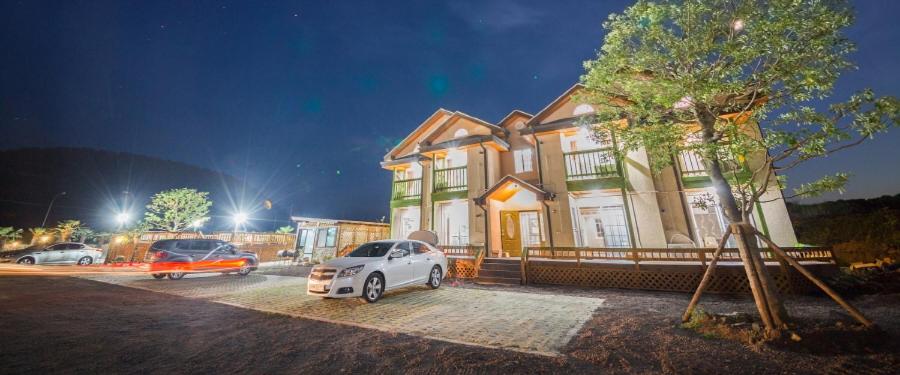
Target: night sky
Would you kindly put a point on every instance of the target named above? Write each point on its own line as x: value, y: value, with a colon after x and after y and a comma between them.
x: 304, y: 98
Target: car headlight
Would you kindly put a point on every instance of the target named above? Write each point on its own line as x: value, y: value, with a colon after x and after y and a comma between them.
x: 350, y: 271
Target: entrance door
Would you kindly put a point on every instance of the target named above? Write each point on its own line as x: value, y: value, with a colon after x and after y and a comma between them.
x: 510, y: 237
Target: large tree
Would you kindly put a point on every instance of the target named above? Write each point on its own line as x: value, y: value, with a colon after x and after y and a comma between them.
x: 741, y: 84
x: 176, y: 209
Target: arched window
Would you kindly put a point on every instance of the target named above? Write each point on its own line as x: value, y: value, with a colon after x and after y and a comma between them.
x: 460, y: 133
x: 582, y: 109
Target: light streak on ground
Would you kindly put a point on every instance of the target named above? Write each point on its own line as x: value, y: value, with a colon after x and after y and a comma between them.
x: 11, y: 269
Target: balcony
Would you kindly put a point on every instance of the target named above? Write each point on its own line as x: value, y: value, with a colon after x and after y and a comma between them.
x: 407, y: 189
x: 450, y: 179
x: 450, y: 183
x: 693, y: 169
x: 592, y: 169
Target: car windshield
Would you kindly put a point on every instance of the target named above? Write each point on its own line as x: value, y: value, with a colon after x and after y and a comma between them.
x: 371, y: 250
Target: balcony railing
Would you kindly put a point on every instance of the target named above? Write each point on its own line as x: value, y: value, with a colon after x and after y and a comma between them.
x: 590, y: 164
x: 692, y: 164
x: 450, y: 179
x: 407, y: 189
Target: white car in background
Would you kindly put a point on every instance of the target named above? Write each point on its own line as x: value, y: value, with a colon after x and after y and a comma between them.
x: 376, y: 267
x: 62, y: 253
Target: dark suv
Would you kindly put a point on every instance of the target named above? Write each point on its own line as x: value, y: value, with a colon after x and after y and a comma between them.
x: 175, y: 258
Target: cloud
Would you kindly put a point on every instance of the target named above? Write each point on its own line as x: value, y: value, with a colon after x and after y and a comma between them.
x: 496, y: 16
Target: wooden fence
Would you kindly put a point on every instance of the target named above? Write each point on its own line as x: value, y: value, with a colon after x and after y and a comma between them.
x: 463, y: 261
x: 677, y: 270
x: 668, y: 255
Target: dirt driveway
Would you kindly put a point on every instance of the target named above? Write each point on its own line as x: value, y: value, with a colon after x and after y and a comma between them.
x: 69, y: 325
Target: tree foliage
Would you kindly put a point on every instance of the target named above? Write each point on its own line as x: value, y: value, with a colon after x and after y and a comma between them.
x: 38, y: 234
x: 700, y: 75
x: 176, y: 209
x: 66, y: 228
x: 8, y: 234
x: 287, y: 229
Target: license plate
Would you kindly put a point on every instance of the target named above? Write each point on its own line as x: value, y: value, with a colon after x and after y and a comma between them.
x: 317, y: 287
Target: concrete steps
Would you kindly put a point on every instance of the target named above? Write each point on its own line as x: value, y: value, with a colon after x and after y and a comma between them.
x: 499, y: 271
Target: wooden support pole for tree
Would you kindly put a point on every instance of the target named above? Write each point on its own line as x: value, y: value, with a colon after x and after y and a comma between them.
x: 707, y: 276
x: 776, y: 308
x: 756, y: 288
x: 831, y: 293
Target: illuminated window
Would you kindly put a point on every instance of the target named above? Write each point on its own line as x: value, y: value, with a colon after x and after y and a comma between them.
x: 460, y: 133
x: 523, y: 159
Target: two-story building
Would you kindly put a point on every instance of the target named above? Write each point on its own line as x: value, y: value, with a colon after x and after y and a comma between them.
x: 541, y: 180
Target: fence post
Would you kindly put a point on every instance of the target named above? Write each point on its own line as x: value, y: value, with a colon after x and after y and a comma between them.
x: 578, y: 257
x: 636, y: 256
x: 702, y: 254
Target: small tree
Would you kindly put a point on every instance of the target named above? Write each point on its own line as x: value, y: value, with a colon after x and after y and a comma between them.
x: 40, y: 235
x: 66, y: 228
x: 84, y: 234
x: 8, y: 234
x: 287, y: 229
x: 703, y: 76
x: 176, y: 209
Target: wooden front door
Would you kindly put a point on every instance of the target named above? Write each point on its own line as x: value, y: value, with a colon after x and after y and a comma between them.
x: 510, y: 238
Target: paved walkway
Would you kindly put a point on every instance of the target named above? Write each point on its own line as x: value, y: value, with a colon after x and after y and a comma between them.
x: 494, y: 318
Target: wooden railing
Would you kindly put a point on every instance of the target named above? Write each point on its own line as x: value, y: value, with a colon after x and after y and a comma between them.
x: 691, y: 164
x: 462, y: 250
x: 674, y: 255
x: 407, y: 189
x: 590, y: 164
x: 450, y: 179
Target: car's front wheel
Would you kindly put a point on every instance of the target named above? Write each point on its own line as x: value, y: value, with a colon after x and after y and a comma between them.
x: 85, y: 261
x: 176, y: 275
x: 373, y: 288
x: 26, y: 260
x: 434, y: 279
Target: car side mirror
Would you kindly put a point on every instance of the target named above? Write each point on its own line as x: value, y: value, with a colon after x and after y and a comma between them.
x: 395, y: 254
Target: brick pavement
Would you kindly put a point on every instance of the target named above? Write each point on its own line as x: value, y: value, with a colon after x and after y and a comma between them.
x: 489, y: 317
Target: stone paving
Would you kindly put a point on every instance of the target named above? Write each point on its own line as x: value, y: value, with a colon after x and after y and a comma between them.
x: 495, y: 318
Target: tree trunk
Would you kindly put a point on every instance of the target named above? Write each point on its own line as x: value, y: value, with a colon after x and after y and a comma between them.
x: 771, y: 309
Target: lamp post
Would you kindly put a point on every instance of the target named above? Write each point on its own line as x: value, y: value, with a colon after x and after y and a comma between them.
x: 122, y: 219
x: 51, y: 206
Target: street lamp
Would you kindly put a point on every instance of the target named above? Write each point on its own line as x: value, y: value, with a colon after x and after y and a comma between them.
x: 239, y: 219
x: 122, y: 218
x: 43, y: 223
x: 196, y: 224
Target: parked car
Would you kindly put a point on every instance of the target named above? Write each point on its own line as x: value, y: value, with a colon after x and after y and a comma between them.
x: 375, y: 267
x: 175, y: 258
x: 61, y: 253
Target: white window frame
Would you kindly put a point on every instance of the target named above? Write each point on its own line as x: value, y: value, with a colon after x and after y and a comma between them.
x: 524, y: 160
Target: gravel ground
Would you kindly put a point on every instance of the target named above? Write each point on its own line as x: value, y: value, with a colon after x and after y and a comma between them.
x: 67, y: 325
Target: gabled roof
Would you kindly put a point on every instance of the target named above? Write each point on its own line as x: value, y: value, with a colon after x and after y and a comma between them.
x: 550, y: 107
x: 510, y: 179
x: 459, y: 116
x: 511, y: 115
x: 418, y: 131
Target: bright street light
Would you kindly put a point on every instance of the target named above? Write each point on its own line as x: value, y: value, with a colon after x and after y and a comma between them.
x: 240, y: 218
x: 122, y: 218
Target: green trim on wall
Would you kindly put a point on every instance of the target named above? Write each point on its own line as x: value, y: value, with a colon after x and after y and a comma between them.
x: 405, y: 202
x: 597, y: 184
x: 694, y: 182
x: 449, y: 195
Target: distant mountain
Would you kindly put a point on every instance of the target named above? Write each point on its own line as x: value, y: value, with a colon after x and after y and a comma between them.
x: 96, y: 183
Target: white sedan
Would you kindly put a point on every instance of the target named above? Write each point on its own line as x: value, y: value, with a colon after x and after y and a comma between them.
x: 376, y: 267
